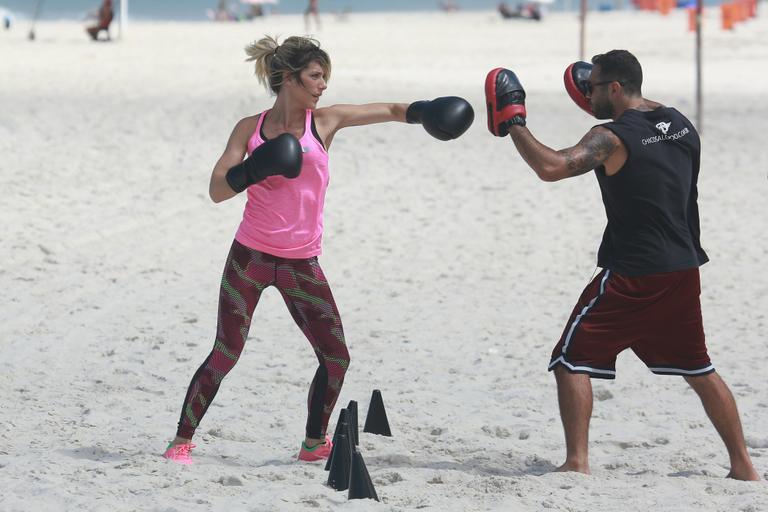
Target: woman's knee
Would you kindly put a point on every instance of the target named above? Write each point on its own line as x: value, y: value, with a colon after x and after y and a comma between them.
x: 340, y: 360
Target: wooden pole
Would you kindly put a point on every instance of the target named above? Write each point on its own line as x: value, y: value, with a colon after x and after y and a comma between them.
x: 123, y: 17
x: 699, y: 120
x: 582, y: 30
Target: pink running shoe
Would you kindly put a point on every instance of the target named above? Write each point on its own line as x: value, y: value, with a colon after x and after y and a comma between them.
x: 317, y: 452
x: 179, y: 453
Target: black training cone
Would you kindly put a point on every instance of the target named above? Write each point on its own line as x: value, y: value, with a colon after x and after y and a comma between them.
x: 338, y: 476
x: 360, y: 484
x: 341, y: 425
x: 376, y: 421
x: 352, y: 420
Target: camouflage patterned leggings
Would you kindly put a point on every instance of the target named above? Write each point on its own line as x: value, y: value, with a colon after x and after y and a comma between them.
x: 308, y: 297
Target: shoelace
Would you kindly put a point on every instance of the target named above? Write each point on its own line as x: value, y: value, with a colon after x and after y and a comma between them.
x: 183, y: 449
x: 307, y: 448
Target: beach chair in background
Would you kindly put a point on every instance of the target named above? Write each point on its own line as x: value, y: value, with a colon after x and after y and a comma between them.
x: 103, y: 20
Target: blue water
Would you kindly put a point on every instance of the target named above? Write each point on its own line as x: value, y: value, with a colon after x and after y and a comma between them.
x: 195, y: 9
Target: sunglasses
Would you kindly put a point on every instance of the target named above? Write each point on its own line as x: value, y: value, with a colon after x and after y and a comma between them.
x: 591, y: 86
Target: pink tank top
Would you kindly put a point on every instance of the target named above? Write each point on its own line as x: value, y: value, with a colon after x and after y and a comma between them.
x: 284, y: 217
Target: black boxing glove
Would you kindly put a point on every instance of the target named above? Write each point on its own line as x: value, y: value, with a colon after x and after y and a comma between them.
x: 505, y: 99
x: 278, y: 156
x: 576, y: 78
x: 443, y: 118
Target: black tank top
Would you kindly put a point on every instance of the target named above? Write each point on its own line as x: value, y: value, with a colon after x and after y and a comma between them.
x: 653, y: 216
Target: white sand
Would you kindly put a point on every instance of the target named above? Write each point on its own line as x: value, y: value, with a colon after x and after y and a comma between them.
x: 454, y: 268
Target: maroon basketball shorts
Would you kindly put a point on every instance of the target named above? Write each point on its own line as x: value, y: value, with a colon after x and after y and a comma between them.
x: 658, y: 316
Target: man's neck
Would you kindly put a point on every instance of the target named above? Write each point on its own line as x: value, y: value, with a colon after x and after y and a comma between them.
x: 636, y: 103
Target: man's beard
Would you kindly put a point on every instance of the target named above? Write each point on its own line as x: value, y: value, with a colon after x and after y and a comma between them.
x: 603, y: 110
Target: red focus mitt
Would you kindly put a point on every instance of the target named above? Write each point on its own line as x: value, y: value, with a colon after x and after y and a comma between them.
x: 576, y: 80
x: 505, y: 100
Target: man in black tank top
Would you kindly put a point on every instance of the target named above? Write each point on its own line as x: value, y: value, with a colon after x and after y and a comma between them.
x: 646, y: 298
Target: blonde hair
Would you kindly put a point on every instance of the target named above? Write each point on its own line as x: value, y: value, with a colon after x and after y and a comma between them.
x: 273, y: 60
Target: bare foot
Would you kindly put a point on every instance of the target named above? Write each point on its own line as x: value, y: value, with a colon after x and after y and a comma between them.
x: 575, y: 467
x: 747, y: 474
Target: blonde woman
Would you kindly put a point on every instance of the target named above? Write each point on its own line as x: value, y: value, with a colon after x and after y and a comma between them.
x: 285, y: 176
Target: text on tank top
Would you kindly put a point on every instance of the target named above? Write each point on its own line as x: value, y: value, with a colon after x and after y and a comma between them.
x: 651, y: 202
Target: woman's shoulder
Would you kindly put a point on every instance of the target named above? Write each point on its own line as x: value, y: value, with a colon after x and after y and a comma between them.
x: 243, y: 130
x: 246, y: 126
x: 329, y: 111
x: 323, y: 112
x: 248, y: 122
x: 325, y: 117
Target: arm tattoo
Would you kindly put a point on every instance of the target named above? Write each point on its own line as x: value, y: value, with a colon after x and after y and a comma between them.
x: 592, y: 151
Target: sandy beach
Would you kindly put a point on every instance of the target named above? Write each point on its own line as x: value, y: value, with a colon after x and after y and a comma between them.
x: 454, y: 268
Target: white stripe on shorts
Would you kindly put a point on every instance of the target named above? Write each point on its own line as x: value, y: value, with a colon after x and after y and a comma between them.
x: 680, y: 371
x: 584, y: 312
x: 581, y: 368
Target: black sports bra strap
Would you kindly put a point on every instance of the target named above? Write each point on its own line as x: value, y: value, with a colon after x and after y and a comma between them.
x: 314, y: 130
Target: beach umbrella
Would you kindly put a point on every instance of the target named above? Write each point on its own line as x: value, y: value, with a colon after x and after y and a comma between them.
x: 38, y: 9
x: 258, y: 5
